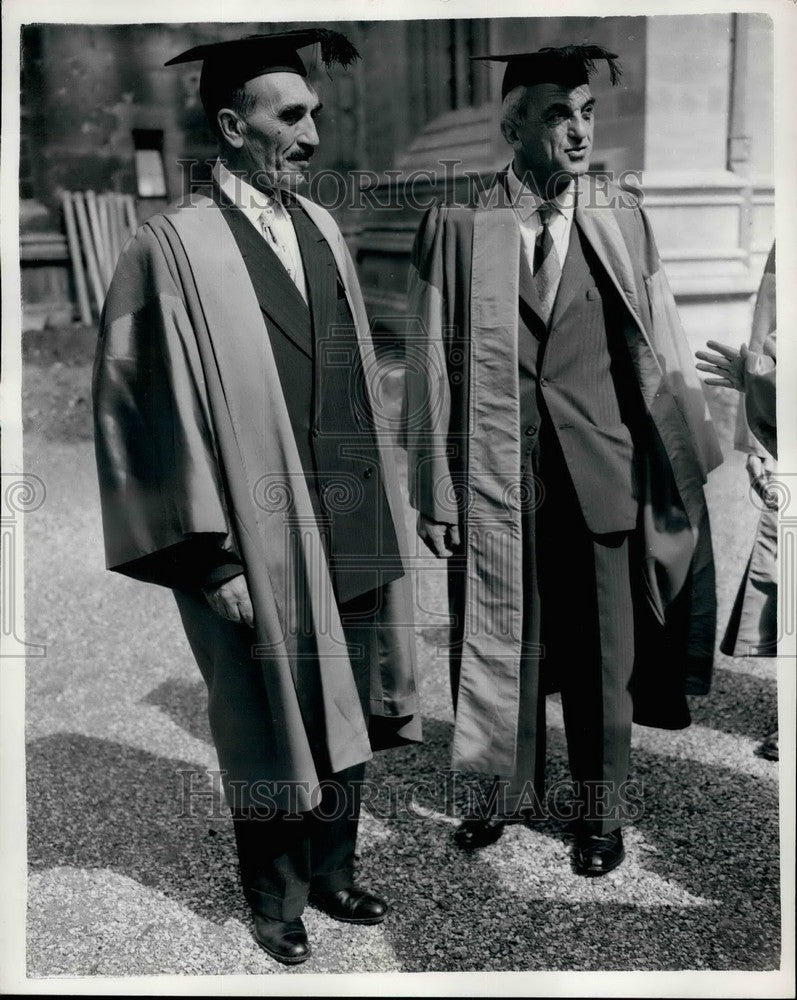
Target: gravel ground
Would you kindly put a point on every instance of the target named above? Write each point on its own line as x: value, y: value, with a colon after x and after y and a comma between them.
x: 121, y: 884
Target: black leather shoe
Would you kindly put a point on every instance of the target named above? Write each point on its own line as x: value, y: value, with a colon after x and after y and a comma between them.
x: 285, y: 940
x: 474, y: 833
x: 598, y: 854
x: 352, y: 905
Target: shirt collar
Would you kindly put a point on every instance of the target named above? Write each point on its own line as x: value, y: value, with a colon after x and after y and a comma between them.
x: 250, y: 201
x: 526, y: 202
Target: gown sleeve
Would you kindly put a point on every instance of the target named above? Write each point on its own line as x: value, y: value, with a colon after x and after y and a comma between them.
x: 760, y: 394
x: 164, y: 511
x: 426, y: 410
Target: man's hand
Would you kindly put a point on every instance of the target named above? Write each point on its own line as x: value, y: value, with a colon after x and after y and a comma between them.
x: 438, y: 536
x: 231, y: 600
x: 727, y: 365
x: 759, y: 471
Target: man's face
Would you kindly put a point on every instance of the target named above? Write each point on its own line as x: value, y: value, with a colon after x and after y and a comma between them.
x: 278, y: 134
x: 555, y: 135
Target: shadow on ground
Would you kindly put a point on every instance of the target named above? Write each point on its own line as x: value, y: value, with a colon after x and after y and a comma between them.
x: 185, y: 703
x: 698, y: 836
x: 93, y: 803
x: 735, y: 700
x: 98, y: 804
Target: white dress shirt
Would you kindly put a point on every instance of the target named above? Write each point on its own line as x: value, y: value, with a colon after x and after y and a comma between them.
x: 252, y: 203
x: 526, y: 204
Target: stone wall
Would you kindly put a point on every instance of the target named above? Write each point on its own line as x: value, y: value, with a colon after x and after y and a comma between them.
x: 85, y: 89
x: 693, y: 112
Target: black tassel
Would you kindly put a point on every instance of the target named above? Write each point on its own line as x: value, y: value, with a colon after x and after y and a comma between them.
x: 587, y: 54
x: 336, y: 49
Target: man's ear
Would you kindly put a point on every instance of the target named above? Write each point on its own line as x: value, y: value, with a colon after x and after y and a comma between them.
x: 231, y: 127
x: 509, y: 132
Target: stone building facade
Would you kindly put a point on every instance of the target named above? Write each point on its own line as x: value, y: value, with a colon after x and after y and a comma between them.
x: 691, y: 124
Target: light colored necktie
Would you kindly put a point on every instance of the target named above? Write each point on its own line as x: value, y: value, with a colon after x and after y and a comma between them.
x: 267, y: 217
x: 547, y: 269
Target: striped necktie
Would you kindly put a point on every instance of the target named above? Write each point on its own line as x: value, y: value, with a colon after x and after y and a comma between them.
x: 547, y: 269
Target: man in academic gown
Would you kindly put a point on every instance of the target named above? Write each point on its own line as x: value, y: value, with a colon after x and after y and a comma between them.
x: 752, y: 628
x: 242, y: 465
x: 558, y: 444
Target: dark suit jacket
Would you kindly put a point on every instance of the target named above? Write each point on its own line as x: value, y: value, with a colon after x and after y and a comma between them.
x: 576, y: 383
x: 320, y: 370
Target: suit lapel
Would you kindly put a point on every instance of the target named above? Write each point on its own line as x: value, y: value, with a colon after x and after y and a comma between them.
x: 497, y: 196
x: 527, y: 288
x: 277, y: 295
x: 601, y: 230
x: 319, y: 269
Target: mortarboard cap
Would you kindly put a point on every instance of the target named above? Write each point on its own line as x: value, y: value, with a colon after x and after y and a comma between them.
x: 569, y: 65
x: 229, y: 65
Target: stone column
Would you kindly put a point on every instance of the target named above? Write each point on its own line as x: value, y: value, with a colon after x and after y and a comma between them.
x: 696, y: 93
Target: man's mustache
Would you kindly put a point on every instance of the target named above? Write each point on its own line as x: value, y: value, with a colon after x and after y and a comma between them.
x: 303, y: 154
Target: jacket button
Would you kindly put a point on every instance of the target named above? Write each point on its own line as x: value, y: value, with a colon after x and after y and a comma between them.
x: 531, y: 430
x: 368, y: 472
x: 543, y: 381
x: 315, y: 432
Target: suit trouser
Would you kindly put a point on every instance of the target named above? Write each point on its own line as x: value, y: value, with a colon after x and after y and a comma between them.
x: 283, y: 855
x: 578, y: 634
x: 587, y: 636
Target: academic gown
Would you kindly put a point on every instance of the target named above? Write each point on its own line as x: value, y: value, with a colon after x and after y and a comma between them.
x: 463, y: 435
x: 753, y: 627
x: 194, y: 445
